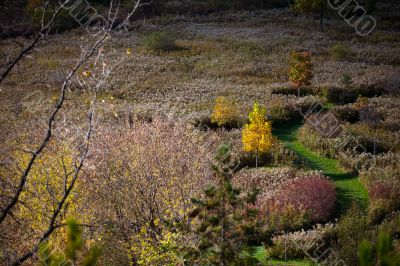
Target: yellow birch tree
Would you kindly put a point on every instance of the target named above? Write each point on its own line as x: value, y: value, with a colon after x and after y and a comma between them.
x: 257, y: 135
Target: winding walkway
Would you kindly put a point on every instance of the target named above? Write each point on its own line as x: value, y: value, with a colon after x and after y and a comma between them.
x: 348, y: 186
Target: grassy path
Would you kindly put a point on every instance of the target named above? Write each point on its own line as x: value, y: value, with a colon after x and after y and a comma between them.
x: 348, y: 186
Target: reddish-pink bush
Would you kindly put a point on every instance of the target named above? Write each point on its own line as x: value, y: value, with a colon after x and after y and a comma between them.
x: 313, y: 195
x: 383, y: 191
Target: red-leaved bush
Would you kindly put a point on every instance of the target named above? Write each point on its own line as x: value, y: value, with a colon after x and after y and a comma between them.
x: 312, y: 197
x: 381, y: 191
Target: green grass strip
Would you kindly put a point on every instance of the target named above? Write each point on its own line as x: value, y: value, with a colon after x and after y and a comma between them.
x: 290, y: 263
x: 348, y: 186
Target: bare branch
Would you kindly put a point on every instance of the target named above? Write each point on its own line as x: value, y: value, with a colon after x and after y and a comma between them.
x: 45, y: 29
x: 61, y: 204
x: 50, y: 123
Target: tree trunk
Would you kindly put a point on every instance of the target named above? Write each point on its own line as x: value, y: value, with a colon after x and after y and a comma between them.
x: 257, y: 159
x: 322, y: 16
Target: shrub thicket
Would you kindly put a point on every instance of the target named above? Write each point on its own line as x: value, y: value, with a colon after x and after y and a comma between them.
x: 352, y: 229
x: 63, y: 22
x: 159, y: 42
x: 343, y: 95
x: 225, y: 113
x: 300, y: 202
x: 340, y: 52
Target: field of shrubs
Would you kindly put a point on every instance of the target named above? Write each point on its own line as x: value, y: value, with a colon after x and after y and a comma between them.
x: 220, y: 136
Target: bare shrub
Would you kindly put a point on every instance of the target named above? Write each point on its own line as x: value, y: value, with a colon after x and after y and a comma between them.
x: 144, y: 176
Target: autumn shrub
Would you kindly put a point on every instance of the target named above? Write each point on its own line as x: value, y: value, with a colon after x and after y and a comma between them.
x: 41, y: 195
x: 386, y: 107
x: 313, y: 140
x: 374, y: 140
x: 383, y: 186
x: 385, y: 168
x: 159, y: 42
x: 352, y: 229
x: 267, y: 180
x: 282, y: 109
x: 304, y: 91
x: 306, y: 200
x: 295, y: 245
x: 144, y: 175
x: 314, y: 193
x: 346, y: 113
x: 277, y: 111
x: 202, y: 121
x: 225, y: 113
x: 285, y: 217
x: 344, y: 95
x: 341, y: 95
x: 340, y: 52
x: 279, y: 155
x: 384, y: 197
x: 392, y: 84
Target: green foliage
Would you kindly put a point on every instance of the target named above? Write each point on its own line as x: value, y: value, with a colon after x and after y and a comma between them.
x: 350, y: 94
x: 64, y: 21
x: 260, y: 254
x: 365, y: 254
x: 346, y: 80
x: 383, y: 254
x: 72, y: 252
x: 340, y: 52
x: 225, y: 221
x: 289, y: 91
x: 352, y: 229
x: 160, y: 42
x: 160, y: 7
x: 307, y: 5
x: 75, y: 241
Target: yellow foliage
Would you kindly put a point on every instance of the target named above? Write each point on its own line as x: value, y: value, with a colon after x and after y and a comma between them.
x: 300, y: 68
x: 257, y: 136
x: 87, y: 74
x: 149, y: 252
x: 225, y: 111
x: 361, y: 102
x: 45, y: 187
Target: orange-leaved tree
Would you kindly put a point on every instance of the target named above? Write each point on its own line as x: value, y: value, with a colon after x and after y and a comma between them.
x: 257, y: 135
x: 225, y: 112
x: 300, y: 69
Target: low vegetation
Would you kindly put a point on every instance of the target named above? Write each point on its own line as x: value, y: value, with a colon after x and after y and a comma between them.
x: 200, y: 133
